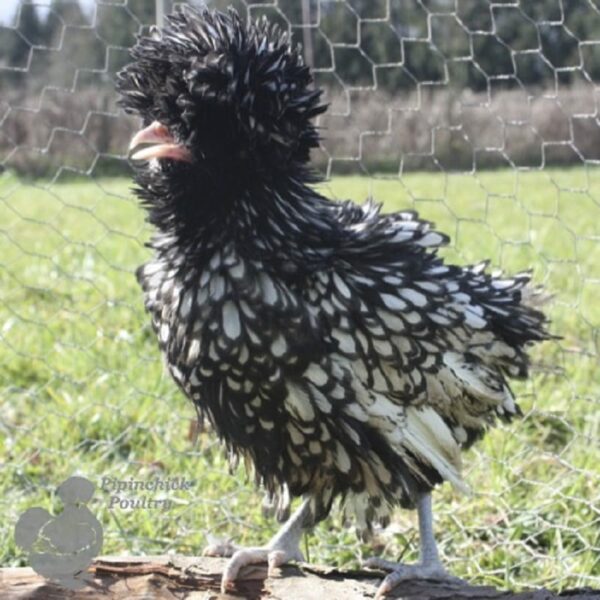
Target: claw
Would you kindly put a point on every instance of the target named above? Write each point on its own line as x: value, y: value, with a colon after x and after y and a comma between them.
x: 282, y: 548
x: 242, y: 558
x: 273, y: 557
x: 399, y: 572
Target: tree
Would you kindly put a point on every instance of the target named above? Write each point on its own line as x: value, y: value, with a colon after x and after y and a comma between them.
x: 73, y: 43
x: 28, y: 32
x: 19, y: 51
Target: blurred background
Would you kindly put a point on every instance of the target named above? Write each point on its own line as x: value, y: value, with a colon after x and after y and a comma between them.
x: 481, y: 115
x: 432, y: 62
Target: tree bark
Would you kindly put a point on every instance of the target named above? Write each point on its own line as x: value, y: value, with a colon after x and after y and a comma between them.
x: 182, y: 578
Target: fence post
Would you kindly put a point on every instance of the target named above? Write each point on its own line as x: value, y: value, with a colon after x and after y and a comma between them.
x: 160, y: 12
x: 306, y: 33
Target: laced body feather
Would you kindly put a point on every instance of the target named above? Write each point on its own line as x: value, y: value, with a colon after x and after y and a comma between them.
x: 334, y: 350
x: 329, y: 344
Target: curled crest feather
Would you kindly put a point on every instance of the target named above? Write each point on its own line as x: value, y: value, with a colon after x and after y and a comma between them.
x: 245, y: 86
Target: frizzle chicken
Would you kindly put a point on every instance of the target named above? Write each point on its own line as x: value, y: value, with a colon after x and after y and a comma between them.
x: 327, y: 343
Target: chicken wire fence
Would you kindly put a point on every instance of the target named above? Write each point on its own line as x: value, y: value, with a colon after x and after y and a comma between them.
x: 483, y: 116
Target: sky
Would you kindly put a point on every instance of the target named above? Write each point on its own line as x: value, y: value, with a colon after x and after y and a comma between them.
x: 8, y: 7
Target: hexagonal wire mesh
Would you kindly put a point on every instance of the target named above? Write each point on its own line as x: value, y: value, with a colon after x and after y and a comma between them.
x: 483, y: 116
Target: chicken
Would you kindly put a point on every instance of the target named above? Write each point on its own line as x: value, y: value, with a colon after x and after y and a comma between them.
x: 328, y: 344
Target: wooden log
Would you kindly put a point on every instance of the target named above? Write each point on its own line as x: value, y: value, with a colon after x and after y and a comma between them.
x: 177, y: 577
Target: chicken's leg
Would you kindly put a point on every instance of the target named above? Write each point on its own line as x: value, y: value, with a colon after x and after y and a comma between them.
x: 283, y: 547
x: 429, y: 567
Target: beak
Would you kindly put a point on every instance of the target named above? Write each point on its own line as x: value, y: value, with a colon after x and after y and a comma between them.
x: 159, y: 144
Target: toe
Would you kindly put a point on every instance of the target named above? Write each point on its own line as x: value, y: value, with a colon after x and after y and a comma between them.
x: 399, y: 573
x: 279, y: 557
x: 276, y: 559
x: 382, y: 591
x: 380, y: 563
x: 242, y: 558
x: 389, y: 583
x: 220, y: 549
x: 272, y: 556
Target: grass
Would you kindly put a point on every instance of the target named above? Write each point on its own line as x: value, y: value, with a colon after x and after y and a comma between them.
x: 82, y: 386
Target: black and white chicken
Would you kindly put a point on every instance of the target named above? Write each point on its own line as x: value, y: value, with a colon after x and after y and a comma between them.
x: 328, y: 344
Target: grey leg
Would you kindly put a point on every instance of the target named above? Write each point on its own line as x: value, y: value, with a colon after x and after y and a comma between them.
x: 429, y: 567
x: 428, y: 546
x: 283, y: 547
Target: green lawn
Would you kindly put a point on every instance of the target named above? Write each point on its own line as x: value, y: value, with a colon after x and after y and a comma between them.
x: 82, y: 386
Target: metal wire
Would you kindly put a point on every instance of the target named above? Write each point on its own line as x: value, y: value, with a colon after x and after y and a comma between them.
x: 502, y: 159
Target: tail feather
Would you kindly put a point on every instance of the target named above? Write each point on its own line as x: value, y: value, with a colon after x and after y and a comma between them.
x: 429, y: 437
